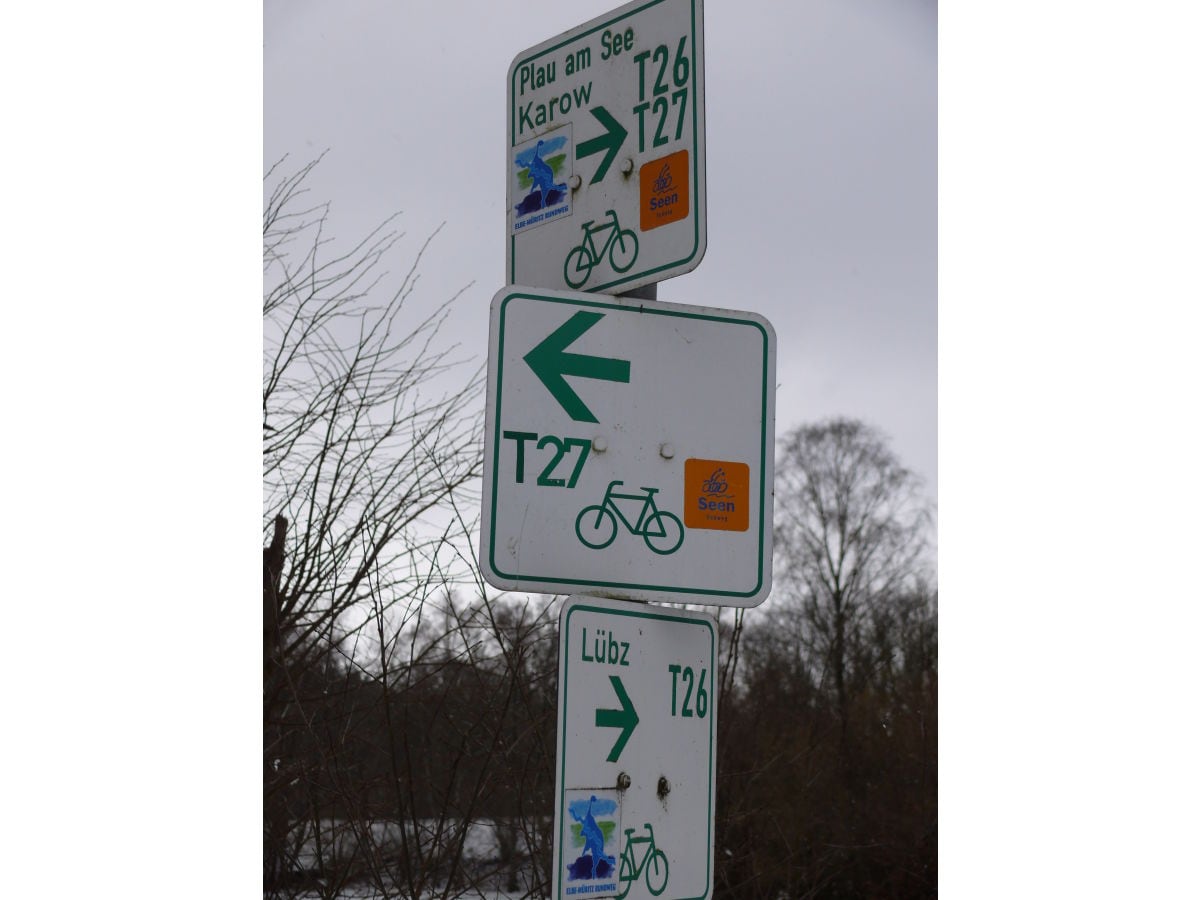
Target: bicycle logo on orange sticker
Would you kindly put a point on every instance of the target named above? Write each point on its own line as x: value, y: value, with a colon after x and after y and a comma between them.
x: 664, y: 189
x: 716, y: 494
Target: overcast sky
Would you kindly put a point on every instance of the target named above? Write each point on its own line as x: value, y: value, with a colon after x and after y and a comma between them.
x: 821, y: 172
x: 1068, y: 319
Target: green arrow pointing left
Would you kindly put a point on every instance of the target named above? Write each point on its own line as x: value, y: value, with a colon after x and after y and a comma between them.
x: 550, y: 363
x: 608, y: 143
x: 625, y: 718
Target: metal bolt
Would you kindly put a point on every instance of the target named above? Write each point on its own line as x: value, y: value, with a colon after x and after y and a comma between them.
x: 664, y: 787
x: 623, y: 782
x: 574, y: 181
x: 599, y: 444
x: 626, y: 166
x: 667, y: 451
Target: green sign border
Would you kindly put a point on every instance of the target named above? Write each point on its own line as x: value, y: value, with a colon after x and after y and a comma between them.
x: 651, y: 309
x: 696, y: 139
x: 564, y: 632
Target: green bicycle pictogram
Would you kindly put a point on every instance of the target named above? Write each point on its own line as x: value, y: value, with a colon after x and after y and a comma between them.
x: 596, y: 525
x: 630, y: 871
x: 621, y: 247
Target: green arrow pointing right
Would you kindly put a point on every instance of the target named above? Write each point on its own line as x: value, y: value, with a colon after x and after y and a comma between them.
x: 608, y: 143
x: 625, y: 718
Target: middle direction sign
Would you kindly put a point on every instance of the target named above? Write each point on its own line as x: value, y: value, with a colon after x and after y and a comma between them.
x: 629, y: 449
x: 605, y: 151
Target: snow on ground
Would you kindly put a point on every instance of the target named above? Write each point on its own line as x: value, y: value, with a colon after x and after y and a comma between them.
x: 341, y: 839
x: 483, y: 867
x: 366, y: 892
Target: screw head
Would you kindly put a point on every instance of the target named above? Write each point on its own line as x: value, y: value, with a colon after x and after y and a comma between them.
x: 623, y: 782
x: 599, y: 444
x: 667, y: 451
x: 626, y: 166
x: 664, y: 787
x: 574, y: 181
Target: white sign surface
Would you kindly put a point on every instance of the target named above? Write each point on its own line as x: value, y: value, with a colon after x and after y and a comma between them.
x: 629, y: 449
x: 605, y: 151
x: 635, y: 792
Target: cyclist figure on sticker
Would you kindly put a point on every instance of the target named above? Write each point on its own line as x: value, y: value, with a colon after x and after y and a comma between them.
x: 716, y: 483
x: 593, y: 838
x: 544, y: 191
x: 542, y: 175
x: 663, y: 182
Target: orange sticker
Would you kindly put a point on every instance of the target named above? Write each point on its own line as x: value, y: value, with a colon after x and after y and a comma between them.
x: 716, y: 494
x: 664, y: 185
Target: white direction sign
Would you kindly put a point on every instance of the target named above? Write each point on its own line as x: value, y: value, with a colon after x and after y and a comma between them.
x: 605, y: 151
x: 629, y: 449
x: 635, y: 787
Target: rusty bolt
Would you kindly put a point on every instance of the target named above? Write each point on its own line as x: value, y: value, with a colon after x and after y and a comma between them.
x: 664, y: 787
x: 623, y: 782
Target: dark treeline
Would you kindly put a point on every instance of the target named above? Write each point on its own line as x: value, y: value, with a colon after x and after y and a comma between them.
x: 814, y: 800
x: 409, y: 711
x: 378, y: 774
x: 809, y: 804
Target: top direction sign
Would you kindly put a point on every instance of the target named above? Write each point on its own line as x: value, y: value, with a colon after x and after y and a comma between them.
x: 605, y: 151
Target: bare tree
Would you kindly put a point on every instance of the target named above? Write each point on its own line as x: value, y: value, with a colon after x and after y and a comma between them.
x: 365, y: 426
x: 371, y: 428
x: 407, y: 711
x: 851, y: 531
x: 827, y: 780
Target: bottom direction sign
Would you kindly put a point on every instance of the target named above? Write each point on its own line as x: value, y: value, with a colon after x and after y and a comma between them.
x: 635, y: 789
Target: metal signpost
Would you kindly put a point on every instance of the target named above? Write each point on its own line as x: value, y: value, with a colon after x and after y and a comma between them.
x: 636, y: 764
x: 629, y: 449
x: 629, y: 443
x: 605, y: 151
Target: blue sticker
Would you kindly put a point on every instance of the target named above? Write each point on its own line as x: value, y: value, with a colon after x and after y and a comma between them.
x: 593, y: 830
x: 541, y: 171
